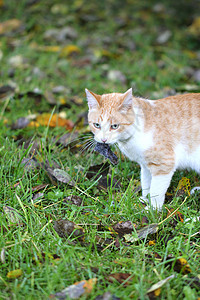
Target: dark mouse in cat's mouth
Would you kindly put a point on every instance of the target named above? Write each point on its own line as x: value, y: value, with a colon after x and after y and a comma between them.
x: 104, y: 149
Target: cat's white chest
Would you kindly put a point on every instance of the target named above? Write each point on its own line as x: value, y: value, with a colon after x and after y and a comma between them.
x: 136, y: 145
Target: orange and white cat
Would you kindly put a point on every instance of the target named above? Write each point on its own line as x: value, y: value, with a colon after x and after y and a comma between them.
x: 160, y: 135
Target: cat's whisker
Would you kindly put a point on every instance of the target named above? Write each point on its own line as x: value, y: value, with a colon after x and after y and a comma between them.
x: 86, y: 146
x: 89, y: 136
x: 91, y: 148
x: 83, y: 142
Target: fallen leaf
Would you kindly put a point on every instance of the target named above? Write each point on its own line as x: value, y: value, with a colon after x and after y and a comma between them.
x: 60, y: 176
x: 182, y: 266
x: 20, y: 123
x: 142, y: 233
x: 122, y: 278
x: 107, y: 296
x: 73, y: 199
x: 155, y: 290
x: 9, y: 25
x: 123, y: 227
x: 66, y: 228
x: 6, y: 91
x: 29, y: 163
x: 76, y: 290
x: 183, y: 187
x: 47, y: 119
x: 13, y: 217
x: 14, y: 274
x: 69, y: 50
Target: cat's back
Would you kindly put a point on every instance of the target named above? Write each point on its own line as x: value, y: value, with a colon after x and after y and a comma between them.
x: 175, y: 109
x: 181, y: 102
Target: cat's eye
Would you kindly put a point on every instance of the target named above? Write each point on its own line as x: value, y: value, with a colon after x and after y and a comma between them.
x: 114, y: 126
x: 97, y: 125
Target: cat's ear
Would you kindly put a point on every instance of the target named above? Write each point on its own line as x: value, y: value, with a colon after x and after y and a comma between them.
x: 127, y: 101
x: 93, y: 99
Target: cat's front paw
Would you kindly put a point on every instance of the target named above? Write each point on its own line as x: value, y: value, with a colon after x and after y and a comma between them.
x: 149, y: 205
x: 152, y: 207
x: 144, y: 201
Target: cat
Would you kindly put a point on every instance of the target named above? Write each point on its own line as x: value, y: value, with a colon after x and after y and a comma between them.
x: 160, y: 135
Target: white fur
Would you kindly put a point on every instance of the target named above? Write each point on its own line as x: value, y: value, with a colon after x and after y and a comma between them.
x: 186, y: 160
x: 92, y: 102
x: 135, y: 141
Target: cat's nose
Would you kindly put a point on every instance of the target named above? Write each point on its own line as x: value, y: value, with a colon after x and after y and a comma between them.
x: 104, y: 140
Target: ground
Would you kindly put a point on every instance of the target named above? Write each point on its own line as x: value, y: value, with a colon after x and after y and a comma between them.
x: 67, y: 214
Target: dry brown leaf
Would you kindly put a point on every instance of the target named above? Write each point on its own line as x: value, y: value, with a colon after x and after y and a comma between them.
x: 123, y: 227
x: 66, y: 228
x: 9, y: 25
x: 54, y: 120
x: 123, y: 278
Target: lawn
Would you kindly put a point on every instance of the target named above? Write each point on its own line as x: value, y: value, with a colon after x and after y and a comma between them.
x: 69, y: 218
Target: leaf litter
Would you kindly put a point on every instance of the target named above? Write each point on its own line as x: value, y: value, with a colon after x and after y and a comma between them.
x: 98, y: 55
x: 76, y: 290
x: 66, y: 228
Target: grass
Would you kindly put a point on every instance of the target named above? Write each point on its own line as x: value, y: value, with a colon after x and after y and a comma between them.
x: 105, y: 35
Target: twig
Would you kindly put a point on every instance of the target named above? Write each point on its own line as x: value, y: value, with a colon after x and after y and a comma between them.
x: 108, y: 246
x: 173, y: 212
x: 88, y: 195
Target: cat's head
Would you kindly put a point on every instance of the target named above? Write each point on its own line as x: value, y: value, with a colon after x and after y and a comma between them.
x: 110, y: 116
